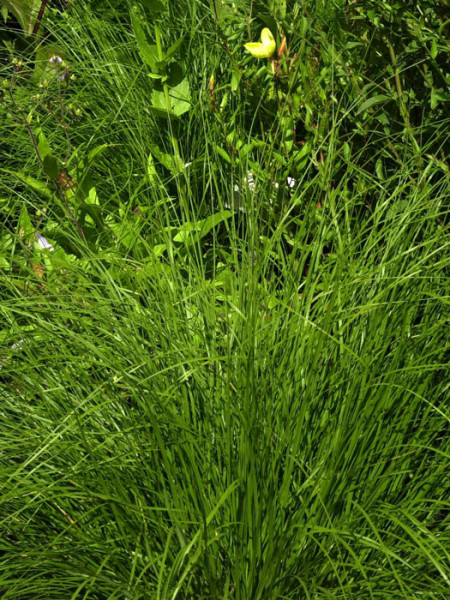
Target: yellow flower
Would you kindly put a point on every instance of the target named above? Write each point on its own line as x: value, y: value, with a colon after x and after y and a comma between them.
x: 263, y: 49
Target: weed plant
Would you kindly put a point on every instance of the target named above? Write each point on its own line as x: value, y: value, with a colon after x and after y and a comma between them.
x: 224, y: 355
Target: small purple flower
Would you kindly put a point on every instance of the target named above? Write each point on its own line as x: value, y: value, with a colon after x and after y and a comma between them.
x: 43, y: 243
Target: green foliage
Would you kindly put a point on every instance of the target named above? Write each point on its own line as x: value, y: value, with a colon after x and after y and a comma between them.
x: 173, y: 98
x: 223, y: 354
x: 25, y: 11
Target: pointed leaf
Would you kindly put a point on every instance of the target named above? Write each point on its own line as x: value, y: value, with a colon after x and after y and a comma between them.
x: 155, y: 7
x: 50, y: 166
x: 25, y: 12
x: 192, y: 232
x: 148, y: 52
x: 371, y: 102
x: 170, y: 53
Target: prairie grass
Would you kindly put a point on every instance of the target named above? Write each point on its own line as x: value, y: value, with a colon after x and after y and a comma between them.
x: 259, y: 411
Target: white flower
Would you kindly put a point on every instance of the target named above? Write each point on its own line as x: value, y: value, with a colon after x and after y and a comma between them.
x: 17, y: 345
x: 291, y: 182
x: 250, y: 181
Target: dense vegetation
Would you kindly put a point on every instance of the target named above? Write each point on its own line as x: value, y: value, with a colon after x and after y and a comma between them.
x: 224, y: 356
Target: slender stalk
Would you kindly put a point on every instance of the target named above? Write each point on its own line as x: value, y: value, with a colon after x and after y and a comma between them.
x: 166, y: 93
x: 39, y: 17
x: 403, y: 107
x: 21, y: 118
x: 172, y: 135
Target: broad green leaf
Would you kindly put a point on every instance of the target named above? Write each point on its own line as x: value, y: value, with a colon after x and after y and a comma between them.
x: 155, y: 7
x: 50, y: 166
x: 438, y: 95
x: 371, y: 102
x: 39, y: 187
x: 92, y: 197
x: 172, y: 163
x: 235, y: 79
x: 42, y: 143
x: 159, y: 249
x: 159, y: 100
x: 301, y: 156
x: 221, y: 152
x: 194, y: 231
x: 151, y: 169
x: 162, y: 113
x: 25, y: 227
x: 90, y: 210
x: 25, y: 12
x: 97, y: 150
x: 180, y: 97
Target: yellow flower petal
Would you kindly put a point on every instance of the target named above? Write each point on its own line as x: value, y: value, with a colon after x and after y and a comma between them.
x: 256, y: 49
x: 263, y: 49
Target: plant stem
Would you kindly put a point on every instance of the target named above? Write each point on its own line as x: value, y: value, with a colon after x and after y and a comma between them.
x: 166, y: 93
x: 172, y: 135
x: 39, y: 17
x: 403, y: 107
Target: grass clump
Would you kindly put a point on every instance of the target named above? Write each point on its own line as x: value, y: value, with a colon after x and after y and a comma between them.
x: 224, y: 357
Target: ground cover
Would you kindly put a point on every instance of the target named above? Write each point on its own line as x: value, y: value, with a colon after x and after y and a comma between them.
x: 224, y: 264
